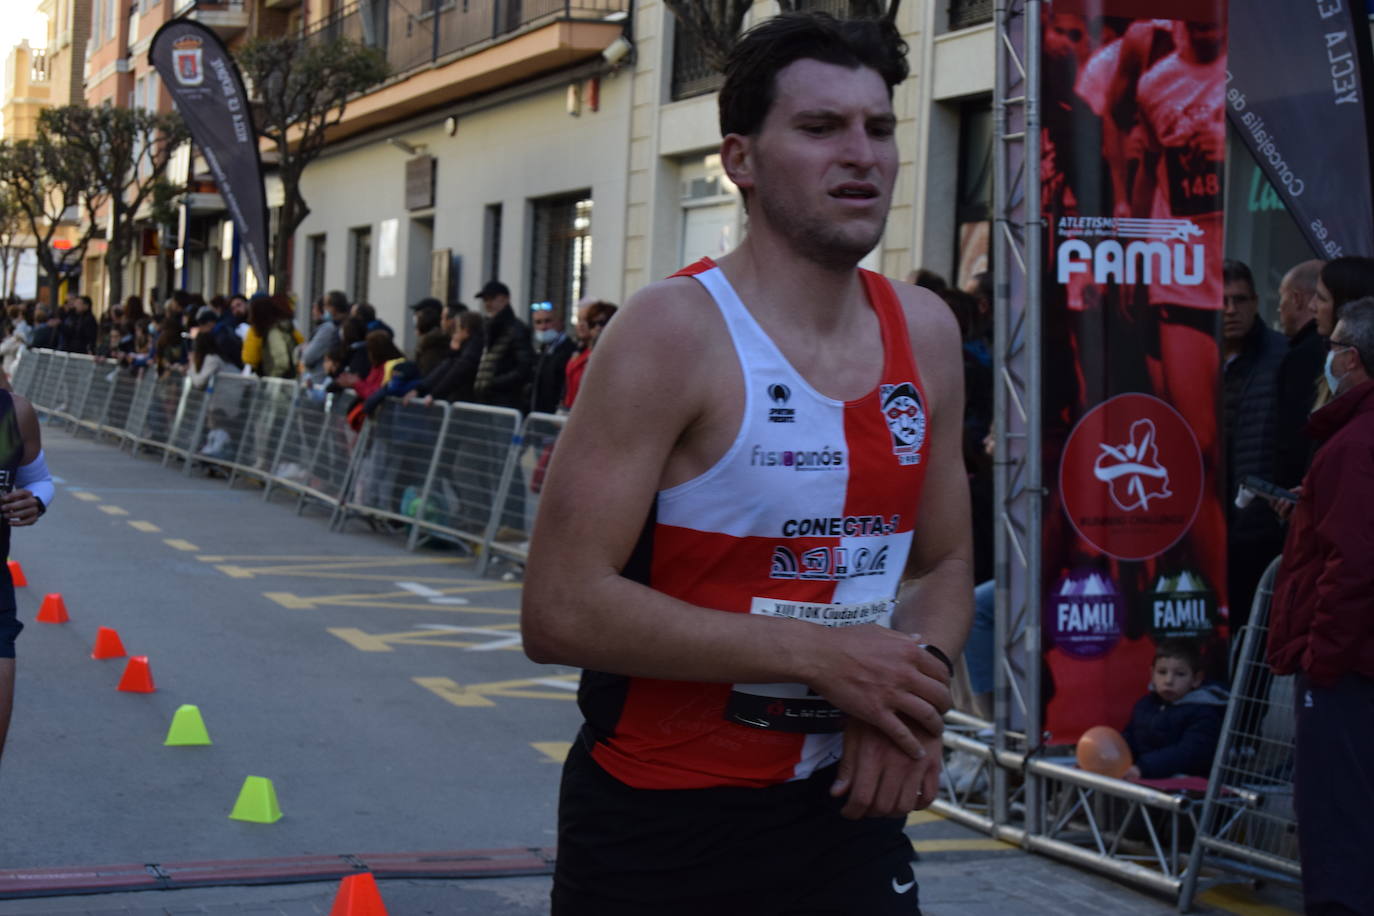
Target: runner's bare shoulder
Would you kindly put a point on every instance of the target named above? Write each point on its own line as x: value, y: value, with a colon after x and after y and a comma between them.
x: 935, y: 340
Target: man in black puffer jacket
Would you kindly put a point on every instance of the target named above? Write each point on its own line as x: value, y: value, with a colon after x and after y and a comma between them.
x: 508, y: 359
x: 1253, y: 354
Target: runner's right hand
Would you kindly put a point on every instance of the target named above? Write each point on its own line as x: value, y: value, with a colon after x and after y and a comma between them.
x: 880, y: 676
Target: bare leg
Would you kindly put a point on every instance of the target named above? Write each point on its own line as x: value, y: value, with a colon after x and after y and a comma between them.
x: 6, y: 698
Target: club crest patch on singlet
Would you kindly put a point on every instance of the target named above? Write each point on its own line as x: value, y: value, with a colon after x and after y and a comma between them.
x: 905, y: 416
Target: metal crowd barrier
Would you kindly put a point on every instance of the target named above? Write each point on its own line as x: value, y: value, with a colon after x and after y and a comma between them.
x: 463, y: 473
x: 393, y: 462
x: 460, y: 498
x: 522, y: 480
x: 316, y: 448
x: 1248, y: 824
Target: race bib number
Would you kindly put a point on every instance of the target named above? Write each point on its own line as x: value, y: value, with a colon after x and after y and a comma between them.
x: 795, y: 707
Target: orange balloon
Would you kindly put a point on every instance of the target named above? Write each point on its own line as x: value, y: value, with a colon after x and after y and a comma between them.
x: 1102, y: 750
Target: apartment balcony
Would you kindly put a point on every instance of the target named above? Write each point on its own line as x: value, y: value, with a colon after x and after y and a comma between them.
x: 964, y: 14
x: 228, y: 18
x: 441, y: 51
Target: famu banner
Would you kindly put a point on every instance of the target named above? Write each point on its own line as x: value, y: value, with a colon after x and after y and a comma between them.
x: 1298, y: 98
x: 1134, y: 127
x: 207, y: 90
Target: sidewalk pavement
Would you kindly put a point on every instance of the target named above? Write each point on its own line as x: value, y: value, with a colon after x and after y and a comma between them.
x: 961, y: 873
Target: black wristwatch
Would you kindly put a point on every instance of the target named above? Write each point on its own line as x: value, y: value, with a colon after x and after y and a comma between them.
x: 41, y: 508
x: 939, y: 653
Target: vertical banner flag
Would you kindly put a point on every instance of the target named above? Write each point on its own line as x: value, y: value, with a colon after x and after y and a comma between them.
x: 1131, y: 161
x: 1297, y: 97
x: 207, y: 90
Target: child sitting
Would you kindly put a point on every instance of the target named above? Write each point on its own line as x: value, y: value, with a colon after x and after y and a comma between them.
x: 1174, y: 728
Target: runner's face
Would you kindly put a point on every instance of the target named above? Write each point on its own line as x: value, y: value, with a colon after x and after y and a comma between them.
x: 822, y: 166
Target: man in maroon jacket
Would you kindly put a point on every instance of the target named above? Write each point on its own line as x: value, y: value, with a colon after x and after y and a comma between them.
x: 1322, y: 629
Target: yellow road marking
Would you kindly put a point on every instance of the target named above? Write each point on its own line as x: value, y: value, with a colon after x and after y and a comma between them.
x: 335, y: 567
x: 923, y: 817
x: 1240, y: 898
x: 553, y: 751
x: 383, y: 642
x: 294, y: 602
x: 235, y: 572
x: 86, y: 496
x: 148, y: 527
x: 179, y: 544
x: 963, y: 844
x: 558, y: 687
x: 113, y: 510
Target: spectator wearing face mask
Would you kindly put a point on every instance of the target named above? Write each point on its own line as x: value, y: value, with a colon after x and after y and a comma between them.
x: 552, y: 350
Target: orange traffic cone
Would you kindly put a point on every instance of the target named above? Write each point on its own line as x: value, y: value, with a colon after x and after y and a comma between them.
x: 53, y: 610
x: 358, y: 896
x: 108, y: 644
x: 138, y: 677
x: 17, y: 574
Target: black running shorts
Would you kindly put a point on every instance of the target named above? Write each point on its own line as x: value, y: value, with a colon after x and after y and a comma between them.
x: 777, y: 851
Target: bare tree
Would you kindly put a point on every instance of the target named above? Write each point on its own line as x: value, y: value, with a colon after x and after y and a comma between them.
x: 126, y: 153
x: 12, y: 241
x: 301, y: 87
x: 51, y: 188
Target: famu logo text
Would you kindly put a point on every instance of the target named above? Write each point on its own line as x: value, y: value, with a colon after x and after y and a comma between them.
x: 1131, y: 250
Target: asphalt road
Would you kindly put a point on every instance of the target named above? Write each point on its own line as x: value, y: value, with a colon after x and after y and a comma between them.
x: 382, y: 692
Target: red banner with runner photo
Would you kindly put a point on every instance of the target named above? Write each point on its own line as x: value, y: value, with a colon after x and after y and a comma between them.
x: 1132, y: 154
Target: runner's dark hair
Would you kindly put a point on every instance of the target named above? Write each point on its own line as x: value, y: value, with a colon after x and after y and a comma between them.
x: 765, y: 49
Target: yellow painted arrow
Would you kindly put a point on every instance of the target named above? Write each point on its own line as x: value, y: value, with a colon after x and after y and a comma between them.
x: 557, y: 687
x: 553, y: 751
x: 503, y: 635
x: 394, y: 600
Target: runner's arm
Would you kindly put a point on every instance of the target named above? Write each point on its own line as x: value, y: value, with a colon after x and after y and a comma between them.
x: 644, y: 394
x: 936, y: 600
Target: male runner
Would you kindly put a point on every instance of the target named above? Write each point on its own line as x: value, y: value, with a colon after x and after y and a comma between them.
x: 26, y: 491
x: 762, y: 451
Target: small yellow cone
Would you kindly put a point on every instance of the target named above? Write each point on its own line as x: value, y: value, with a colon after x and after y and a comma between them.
x: 257, y: 802
x: 188, y: 728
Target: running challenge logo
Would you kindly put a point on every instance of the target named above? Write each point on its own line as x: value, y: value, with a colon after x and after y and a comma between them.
x: 906, y: 420
x: 1155, y: 250
x: 1131, y: 469
x: 1131, y: 477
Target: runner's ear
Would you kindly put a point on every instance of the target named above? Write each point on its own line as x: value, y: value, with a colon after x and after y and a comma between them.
x: 736, y: 157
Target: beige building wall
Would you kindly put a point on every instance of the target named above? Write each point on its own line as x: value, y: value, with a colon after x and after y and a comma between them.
x: 69, y: 27
x: 27, y: 91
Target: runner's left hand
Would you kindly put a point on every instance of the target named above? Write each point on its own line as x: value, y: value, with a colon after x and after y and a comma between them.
x: 880, y: 778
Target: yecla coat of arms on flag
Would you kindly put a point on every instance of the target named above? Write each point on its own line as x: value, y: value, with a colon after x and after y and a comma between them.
x: 906, y: 420
x: 187, y: 61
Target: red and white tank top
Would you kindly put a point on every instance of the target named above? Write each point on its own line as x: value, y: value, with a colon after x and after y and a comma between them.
x: 810, y: 514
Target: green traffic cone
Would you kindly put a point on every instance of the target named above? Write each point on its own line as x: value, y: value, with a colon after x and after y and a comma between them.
x: 257, y: 802
x: 188, y: 728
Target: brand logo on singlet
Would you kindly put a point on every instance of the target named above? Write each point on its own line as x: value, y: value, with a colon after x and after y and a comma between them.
x: 802, y: 459
x: 906, y: 420
x: 780, y: 394
x: 828, y: 563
